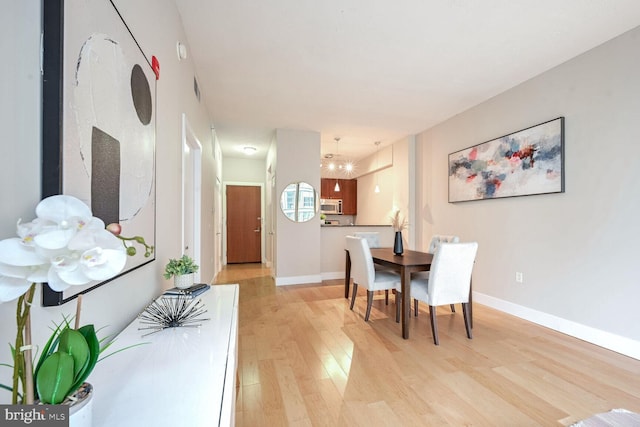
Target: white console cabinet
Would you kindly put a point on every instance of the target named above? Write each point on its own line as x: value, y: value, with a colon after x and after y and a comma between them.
x: 183, y: 376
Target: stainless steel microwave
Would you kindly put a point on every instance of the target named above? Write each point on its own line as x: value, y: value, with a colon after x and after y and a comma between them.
x: 331, y: 206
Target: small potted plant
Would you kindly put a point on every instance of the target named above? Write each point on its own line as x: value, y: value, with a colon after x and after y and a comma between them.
x: 181, y: 270
x: 323, y: 217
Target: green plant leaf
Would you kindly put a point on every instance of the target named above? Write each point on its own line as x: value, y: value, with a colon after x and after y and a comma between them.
x: 121, y: 349
x: 55, y: 378
x: 73, y: 343
x: 89, y: 334
x: 50, y: 346
x: 6, y: 387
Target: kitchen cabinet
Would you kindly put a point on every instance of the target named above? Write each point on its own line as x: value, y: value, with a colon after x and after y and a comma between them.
x: 348, y: 193
x: 326, y: 189
x: 349, y: 190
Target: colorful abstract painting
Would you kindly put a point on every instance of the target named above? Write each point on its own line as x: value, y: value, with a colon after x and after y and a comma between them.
x: 522, y: 163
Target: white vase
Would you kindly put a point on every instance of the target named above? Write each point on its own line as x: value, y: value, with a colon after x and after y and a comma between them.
x: 81, y: 411
x: 183, y: 281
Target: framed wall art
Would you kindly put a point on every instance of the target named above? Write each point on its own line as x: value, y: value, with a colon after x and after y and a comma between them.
x: 99, y: 115
x: 526, y: 162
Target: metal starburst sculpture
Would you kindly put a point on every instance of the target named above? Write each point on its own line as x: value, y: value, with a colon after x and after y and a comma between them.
x: 172, y: 312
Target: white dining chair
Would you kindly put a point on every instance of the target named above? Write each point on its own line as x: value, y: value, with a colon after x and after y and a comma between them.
x: 449, y: 281
x: 372, y: 237
x: 373, y: 240
x: 364, y: 274
x: 436, y: 239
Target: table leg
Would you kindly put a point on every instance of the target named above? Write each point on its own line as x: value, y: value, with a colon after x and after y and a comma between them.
x: 347, y: 274
x: 405, y: 286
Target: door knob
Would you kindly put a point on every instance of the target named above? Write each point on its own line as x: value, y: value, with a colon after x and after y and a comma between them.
x: 257, y: 230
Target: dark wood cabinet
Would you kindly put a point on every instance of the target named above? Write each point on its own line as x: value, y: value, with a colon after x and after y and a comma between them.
x: 349, y: 190
x: 348, y: 193
x: 326, y: 189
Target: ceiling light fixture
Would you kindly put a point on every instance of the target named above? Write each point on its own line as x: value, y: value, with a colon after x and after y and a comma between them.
x: 249, y: 150
x: 377, y: 189
x: 337, y: 187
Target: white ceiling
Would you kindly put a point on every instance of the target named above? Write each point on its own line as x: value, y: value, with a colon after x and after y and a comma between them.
x: 376, y: 70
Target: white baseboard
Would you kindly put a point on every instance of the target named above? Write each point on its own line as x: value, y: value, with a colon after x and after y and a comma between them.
x: 610, y: 341
x: 299, y: 280
x: 333, y: 275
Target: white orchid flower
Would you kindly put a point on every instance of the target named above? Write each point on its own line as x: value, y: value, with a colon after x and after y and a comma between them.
x: 20, y: 266
x: 64, y: 210
x: 64, y: 246
x: 93, y: 255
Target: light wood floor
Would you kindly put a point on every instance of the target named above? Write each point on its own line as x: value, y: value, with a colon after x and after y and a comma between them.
x: 306, y: 359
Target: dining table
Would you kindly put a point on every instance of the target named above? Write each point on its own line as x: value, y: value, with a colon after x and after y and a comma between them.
x: 406, y: 263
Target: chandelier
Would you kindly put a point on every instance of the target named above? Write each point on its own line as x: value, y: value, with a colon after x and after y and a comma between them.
x: 338, y: 166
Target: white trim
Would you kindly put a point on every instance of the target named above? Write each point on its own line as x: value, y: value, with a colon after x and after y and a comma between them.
x: 190, y: 141
x: 299, y: 280
x: 331, y: 275
x: 610, y: 341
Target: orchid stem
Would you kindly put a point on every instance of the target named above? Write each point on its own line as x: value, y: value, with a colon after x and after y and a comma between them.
x: 22, y: 366
x: 28, y: 362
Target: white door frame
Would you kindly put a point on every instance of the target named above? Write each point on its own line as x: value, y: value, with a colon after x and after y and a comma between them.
x: 191, y: 150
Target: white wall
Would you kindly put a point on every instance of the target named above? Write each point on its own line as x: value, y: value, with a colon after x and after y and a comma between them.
x: 117, y: 303
x: 396, y: 183
x: 243, y: 170
x: 297, y: 243
x: 578, y: 250
x: 271, y: 204
x: 19, y: 113
x: 19, y: 139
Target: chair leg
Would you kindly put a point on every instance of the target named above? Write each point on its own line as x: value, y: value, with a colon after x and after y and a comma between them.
x: 386, y: 297
x: 398, y: 302
x: 353, y: 295
x: 369, y: 302
x: 453, y: 308
x: 415, y: 307
x: 467, y: 318
x: 434, y: 324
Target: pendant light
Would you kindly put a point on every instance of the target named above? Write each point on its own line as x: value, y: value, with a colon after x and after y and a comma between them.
x: 377, y: 189
x: 337, y: 187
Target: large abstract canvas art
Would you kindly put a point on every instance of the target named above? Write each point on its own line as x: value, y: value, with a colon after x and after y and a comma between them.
x: 522, y: 163
x: 98, y: 120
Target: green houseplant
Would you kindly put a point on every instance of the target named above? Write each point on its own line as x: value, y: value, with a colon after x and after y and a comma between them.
x: 181, y: 270
x: 67, y: 359
x: 64, y: 246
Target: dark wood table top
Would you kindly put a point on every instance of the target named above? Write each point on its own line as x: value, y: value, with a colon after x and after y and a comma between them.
x: 407, y: 259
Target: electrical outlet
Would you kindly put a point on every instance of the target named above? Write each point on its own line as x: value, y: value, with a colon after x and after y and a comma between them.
x: 519, y: 277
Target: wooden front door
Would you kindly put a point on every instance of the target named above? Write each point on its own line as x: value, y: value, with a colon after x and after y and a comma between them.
x: 244, y: 229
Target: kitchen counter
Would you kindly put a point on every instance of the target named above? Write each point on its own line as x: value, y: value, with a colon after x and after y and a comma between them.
x: 353, y: 225
x: 333, y: 243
